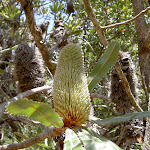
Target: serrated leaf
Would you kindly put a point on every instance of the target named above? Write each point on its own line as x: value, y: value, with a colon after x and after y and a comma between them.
x: 94, y: 141
x: 36, y: 111
x: 123, y: 118
x: 72, y: 142
x: 103, y: 65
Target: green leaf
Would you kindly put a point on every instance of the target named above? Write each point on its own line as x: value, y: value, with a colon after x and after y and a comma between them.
x: 9, y: 49
x: 123, y: 118
x: 52, y: 9
x: 21, y: 135
x: 44, y: 146
x: 37, y: 111
x: 90, y: 141
x: 66, y: 25
x: 103, y: 65
x: 1, y: 71
x: 72, y: 142
x: 4, y: 15
x: 94, y: 141
x: 60, y: 7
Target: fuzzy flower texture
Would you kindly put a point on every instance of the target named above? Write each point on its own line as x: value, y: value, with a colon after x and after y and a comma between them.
x: 70, y: 90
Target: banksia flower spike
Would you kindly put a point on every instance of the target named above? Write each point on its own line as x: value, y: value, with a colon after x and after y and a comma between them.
x: 70, y: 91
x: 28, y: 68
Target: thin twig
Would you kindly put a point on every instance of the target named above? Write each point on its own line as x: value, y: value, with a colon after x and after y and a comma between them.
x: 124, y: 129
x: 95, y: 95
x: 127, y: 87
x: 127, y: 21
x: 98, y: 28
x: 22, y: 95
x: 50, y: 133
x: 4, y: 94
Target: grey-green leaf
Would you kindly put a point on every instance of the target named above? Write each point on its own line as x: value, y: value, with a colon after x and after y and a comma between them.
x: 104, y: 64
x: 123, y: 118
x: 94, y: 141
x: 36, y: 111
x: 72, y: 142
x: 90, y: 141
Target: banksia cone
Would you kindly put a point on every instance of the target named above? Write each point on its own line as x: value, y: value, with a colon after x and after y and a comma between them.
x: 28, y: 68
x: 58, y: 33
x: 70, y: 91
x: 70, y: 7
x: 118, y: 93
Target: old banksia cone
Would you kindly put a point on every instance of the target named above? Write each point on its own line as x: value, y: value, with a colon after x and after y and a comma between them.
x: 29, y: 70
x: 70, y: 91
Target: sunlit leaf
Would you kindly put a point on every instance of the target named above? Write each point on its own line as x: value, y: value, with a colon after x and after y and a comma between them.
x: 37, y: 111
x: 4, y: 15
x: 51, y: 8
x: 21, y: 135
x: 103, y: 65
x: 72, y: 142
x: 94, y: 141
x: 89, y: 140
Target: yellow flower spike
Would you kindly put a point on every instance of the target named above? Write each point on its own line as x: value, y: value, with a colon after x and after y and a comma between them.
x: 70, y: 90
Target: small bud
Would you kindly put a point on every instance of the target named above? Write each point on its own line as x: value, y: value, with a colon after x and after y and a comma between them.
x: 70, y: 7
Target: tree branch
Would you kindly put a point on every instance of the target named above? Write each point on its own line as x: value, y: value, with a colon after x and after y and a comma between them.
x: 95, y: 23
x: 127, y: 87
x: 36, y: 32
x: 127, y: 21
x: 22, y: 95
x: 4, y: 94
x: 95, y: 95
x: 49, y: 133
x: 123, y: 131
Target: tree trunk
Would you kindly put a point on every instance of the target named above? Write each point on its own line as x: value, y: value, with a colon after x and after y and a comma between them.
x: 144, y: 57
x: 142, y: 31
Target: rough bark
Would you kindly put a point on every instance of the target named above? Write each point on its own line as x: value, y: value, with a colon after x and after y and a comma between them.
x: 143, y: 42
x: 37, y: 33
x: 144, y: 57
